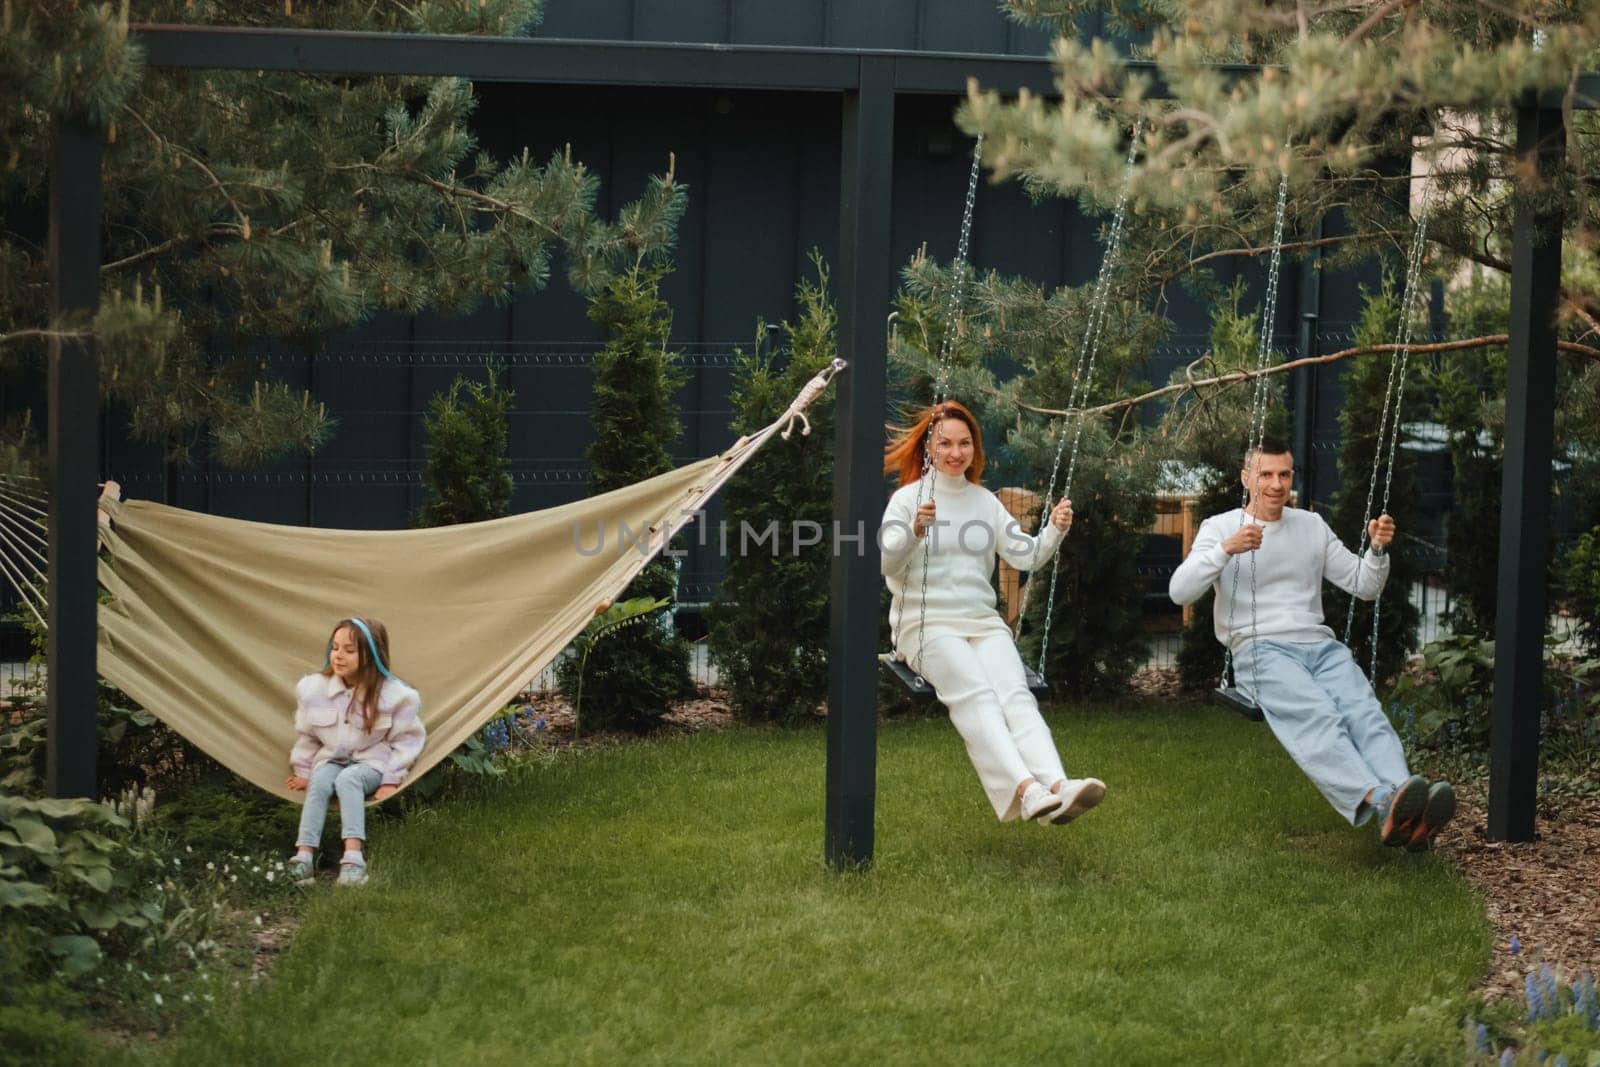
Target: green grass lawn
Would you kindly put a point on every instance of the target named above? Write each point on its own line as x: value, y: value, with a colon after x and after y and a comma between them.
x: 667, y: 902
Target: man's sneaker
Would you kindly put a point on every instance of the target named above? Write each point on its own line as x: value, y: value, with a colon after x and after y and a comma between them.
x: 302, y: 869
x: 1438, y: 809
x: 351, y: 873
x: 1079, y: 795
x: 1403, y: 812
x: 1039, y: 803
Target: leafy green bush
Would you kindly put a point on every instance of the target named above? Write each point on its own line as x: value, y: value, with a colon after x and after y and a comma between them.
x: 1581, y: 587
x: 1450, y: 704
x: 769, y: 620
x: 33, y: 1030
x: 220, y: 813
x: 132, y: 744
x: 1453, y: 702
x: 63, y: 871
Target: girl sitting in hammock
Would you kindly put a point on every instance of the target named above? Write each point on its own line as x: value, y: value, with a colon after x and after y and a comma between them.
x: 359, y: 733
x: 937, y: 559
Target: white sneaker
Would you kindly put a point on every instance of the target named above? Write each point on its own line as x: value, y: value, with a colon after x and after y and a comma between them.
x: 1077, y: 797
x: 351, y: 873
x: 1039, y: 803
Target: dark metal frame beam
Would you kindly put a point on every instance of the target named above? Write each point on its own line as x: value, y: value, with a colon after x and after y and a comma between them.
x: 1525, y: 484
x: 535, y: 61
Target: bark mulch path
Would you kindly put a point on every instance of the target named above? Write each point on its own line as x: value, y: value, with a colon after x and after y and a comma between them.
x: 1545, y: 892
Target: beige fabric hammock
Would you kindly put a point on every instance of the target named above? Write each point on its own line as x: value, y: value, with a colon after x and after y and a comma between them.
x: 211, y: 620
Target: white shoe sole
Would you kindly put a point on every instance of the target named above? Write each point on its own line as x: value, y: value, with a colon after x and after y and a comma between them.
x: 1046, y: 811
x: 1079, y: 799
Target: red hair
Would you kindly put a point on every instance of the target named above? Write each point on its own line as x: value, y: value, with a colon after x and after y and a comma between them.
x: 903, y: 455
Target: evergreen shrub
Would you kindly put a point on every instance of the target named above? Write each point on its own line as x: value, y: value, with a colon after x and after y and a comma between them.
x: 631, y: 680
x: 466, y: 475
x: 1365, y: 383
x: 769, y: 620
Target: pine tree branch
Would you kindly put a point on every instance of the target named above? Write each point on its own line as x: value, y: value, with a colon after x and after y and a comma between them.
x: 1192, y: 384
x: 149, y: 253
x: 1287, y: 246
x: 178, y: 240
x: 1582, y: 303
x: 1381, y: 12
x: 58, y: 335
x: 491, y: 203
x: 161, y: 142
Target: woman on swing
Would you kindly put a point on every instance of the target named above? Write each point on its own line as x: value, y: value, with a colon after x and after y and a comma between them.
x: 1310, y: 690
x: 939, y: 538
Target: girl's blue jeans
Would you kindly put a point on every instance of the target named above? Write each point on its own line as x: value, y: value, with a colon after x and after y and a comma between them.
x: 354, y: 783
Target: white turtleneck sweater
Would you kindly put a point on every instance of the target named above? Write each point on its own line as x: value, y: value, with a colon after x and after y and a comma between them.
x: 1297, y: 552
x: 971, y: 529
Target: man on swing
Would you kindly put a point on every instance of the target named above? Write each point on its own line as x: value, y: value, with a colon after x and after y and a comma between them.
x: 1267, y: 563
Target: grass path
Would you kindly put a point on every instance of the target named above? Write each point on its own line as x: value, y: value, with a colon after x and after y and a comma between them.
x: 667, y: 902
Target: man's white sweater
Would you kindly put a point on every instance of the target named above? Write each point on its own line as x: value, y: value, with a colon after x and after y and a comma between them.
x: 1297, y: 552
x: 972, y: 529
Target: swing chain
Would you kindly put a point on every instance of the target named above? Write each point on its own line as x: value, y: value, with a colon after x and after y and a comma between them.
x: 1389, y: 429
x: 1082, y: 376
x: 958, y: 279
x: 1258, y: 429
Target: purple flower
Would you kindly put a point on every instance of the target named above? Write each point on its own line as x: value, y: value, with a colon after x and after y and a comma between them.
x: 1516, y: 945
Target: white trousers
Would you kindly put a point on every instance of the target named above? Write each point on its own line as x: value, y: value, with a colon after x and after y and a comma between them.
x: 980, y: 681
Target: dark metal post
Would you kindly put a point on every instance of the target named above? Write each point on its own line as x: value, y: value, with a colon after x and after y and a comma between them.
x: 1525, y: 485
x: 1305, y: 379
x: 865, y: 273
x: 1305, y: 410
x: 74, y: 431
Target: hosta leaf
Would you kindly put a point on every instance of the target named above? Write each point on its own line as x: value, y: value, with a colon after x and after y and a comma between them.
x: 78, y: 953
x: 26, y: 895
x: 98, y: 877
x: 32, y: 834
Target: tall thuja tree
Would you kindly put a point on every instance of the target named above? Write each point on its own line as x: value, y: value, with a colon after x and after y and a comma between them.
x: 246, y: 209
x: 1365, y: 384
x: 769, y: 620
x: 1470, y: 395
x: 466, y: 476
x: 1097, y: 634
x: 632, y: 679
x: 1206, y: 436
x: 1471, y: 406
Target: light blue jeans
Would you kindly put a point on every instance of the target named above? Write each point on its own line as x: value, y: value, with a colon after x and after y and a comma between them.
x: 354, y: 782
x: 1324, y: 713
